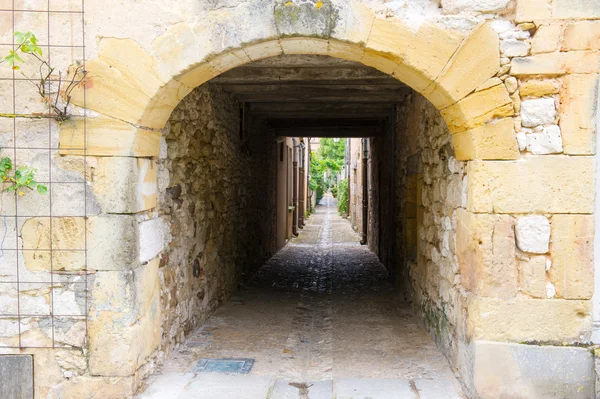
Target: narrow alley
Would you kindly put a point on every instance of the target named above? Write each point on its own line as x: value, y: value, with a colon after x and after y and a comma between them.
x: 319, y: 320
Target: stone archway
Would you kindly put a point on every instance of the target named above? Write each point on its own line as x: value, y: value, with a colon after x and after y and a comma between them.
x: 133, y: 93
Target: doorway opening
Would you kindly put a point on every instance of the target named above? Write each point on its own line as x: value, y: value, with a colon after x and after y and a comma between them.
x: 262, y: 265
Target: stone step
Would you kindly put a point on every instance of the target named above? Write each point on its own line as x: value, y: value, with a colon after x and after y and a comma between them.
x: 223, y: 386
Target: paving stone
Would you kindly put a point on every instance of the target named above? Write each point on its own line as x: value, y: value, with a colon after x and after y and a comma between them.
x: 315, y: 390
x: 436, y: 389
x: 168, y: 385
x: 220, y: 386
x: 362, y: 388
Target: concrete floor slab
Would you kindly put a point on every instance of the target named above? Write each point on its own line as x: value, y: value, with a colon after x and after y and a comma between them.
x: 437, y: 389
x: 222, y: 386
x: 284, y: 389
x: 373, y: 388
x: 168, y: 385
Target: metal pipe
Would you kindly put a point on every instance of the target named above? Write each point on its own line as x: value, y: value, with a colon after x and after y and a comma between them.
x: 365, y: 196
x: 295, y: 188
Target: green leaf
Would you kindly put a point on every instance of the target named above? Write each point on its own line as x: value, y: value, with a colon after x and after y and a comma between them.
x: 42, y: 189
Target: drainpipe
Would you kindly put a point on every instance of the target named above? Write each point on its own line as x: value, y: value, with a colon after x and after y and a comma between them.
x: 365, y: 196
x: 301, y: 185
x: 295, y: 188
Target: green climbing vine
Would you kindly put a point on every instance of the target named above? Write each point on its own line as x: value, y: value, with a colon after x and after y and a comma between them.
x: 22, y: 178
x: 59, y: 99
x: 19, y: 179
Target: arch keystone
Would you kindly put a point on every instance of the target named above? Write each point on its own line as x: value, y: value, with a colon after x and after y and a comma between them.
x: 308, y: 19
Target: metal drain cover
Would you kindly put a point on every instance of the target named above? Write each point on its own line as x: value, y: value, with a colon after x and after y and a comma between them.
x: 226, y: 366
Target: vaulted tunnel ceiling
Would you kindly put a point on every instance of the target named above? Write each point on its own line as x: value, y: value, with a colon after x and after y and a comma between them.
x: 315, y: 95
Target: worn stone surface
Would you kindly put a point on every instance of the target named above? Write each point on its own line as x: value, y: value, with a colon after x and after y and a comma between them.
x: 210, y: 200
x: 131, y: 323
x: 504, y: 370
x: 485, y: 247
x: 578, y: 110
x: 582, y: 35
x: 460, y: 76
x: 527, y: 318
x: 432, y: 186
x: 540, y: 184
x: 494, y: 140
x: 123, y: 184
x: 478, y: 108
x: 556, y: 63
x: 572, y: 256
x: 532, y: 276
x: 539, y: 87
x: 547, y: 38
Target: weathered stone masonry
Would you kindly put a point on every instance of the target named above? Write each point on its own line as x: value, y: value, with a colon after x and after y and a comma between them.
x: 515, y: 83
x: 217, y: 196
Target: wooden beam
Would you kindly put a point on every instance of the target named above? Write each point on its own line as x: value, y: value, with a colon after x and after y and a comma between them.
x: 324, y: 122
x: 342, y: 131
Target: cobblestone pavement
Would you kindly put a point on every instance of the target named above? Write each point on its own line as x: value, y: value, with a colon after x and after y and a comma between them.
x: 321, y: 320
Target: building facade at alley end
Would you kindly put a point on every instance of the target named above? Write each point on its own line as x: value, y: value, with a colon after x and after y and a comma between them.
x: 165, y: 156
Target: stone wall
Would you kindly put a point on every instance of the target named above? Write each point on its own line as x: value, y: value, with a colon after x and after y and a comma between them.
x: 431, y: 188
x: 217, y: 195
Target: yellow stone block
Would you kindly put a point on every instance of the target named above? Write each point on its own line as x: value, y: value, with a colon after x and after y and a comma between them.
x: 557, y: 63
x: 578, y: 107
x: 411, y: 77
x: 380, y: 61
x: 531, y: 10
x: 353, y: 22
x: 478, y: 108
x: 519, y: 320
x: 547, y: 38
x: 110, y: 93
x: 124, y: 185
x: 131, y: 327
x: 301, y: 45
x: 532, y: 276
x: 539, y: 87
x: 430, y: 51
x: 107, y: 137
x: 536, y: 184
x: 259, y: 51
x: 64, y: 235
x: 485, y: 248
x: 133, y: 62
x: 199, y: 75
x: 572, y: 270
x: 495, y: 140
x: 162, y: 104
x: 477, y: 60
x: 225, y: 62
x: 345, y: 51
x: 582, y: 35
x: 390, y: 36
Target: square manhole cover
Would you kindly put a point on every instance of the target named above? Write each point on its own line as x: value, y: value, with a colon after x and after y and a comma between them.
x: 226, y: 366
